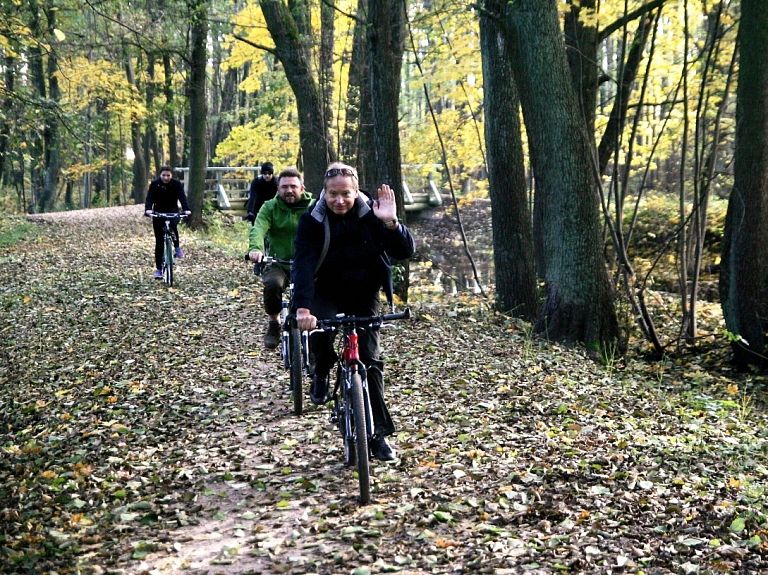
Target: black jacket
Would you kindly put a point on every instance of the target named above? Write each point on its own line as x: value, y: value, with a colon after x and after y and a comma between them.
x: 356, y: 260
x: 260, y: 191
x: 166, y: 197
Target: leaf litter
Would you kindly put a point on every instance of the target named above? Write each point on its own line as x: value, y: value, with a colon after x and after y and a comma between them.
x: 146, y: 430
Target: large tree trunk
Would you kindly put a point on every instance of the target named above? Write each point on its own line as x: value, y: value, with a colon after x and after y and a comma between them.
x: 47, y: 84
x: 579, y: 298
x: 511, y: 219
x: 198, y: 109
x: 386, y: 42
x: 744, y: 270
x: 358, y: 146
x: 316, y: 147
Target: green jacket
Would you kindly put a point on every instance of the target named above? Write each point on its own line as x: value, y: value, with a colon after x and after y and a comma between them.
x: 278, y: 221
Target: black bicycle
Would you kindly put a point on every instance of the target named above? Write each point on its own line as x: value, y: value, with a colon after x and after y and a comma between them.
x: 169, y: 256
x: 293, y: 343
x: 351, y: 406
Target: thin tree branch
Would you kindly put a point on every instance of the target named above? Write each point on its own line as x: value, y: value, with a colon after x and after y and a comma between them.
x: 628, y: 17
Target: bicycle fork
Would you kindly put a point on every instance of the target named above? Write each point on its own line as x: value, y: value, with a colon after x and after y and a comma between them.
x: 351, y: 358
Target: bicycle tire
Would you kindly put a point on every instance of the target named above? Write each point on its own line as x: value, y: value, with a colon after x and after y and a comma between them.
x: 361, y: 438
x: 345, y: 420
x: 168, y: 262
x: 296, y: 372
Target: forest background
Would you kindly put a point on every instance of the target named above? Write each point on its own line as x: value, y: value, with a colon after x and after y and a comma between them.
x: 572, y: 117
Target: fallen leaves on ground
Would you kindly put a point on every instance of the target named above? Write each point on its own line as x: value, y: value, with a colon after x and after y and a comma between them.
x: 146, y: 430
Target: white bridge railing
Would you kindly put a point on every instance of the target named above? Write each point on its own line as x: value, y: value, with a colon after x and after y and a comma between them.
x: 228, y: 187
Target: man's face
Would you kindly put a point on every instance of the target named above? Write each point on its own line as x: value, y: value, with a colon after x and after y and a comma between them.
x: 267, y: 176
x: 340, y: 194
x: 166, y: 176
x: 290, y: 189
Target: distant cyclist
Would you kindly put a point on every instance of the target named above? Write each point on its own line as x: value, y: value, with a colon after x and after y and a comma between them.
x: 164, y: 195
x: 342, y: 261
x: 263, y: 188
x: 277, y: 220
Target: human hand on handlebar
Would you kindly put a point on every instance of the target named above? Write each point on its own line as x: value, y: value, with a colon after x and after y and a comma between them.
x: 305, y: 320
x: 255, y: 256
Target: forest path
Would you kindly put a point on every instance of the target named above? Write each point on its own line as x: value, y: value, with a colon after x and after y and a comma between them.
x: 146, y: 430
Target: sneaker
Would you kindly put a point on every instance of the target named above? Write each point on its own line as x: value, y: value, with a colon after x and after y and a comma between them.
x: 158, y: 274
x: 381, y: 449
x: 318, y: 391
x: 178, y: 253
x: 272, y: 337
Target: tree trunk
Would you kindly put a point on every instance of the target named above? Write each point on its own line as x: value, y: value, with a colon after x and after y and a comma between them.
x: 744, y: 270
x: 173, y: 152
x: 325, y: 70
x: 510, y: 216
x: 579, y: 297
x: 386, y: 43
x: 581, y: 41
x: 139, y: 185
x: 9, y: 87
x: 358, y: 134
x: 47, y: 84
x: 198, y: 109
x: 316, y: 147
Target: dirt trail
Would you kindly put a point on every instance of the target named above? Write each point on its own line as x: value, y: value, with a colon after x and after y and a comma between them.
x: 146, y: 431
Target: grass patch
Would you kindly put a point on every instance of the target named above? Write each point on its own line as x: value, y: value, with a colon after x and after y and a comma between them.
x: 14, y: 230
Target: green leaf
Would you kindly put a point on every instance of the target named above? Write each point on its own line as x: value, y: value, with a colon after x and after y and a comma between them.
x: 738, y: 525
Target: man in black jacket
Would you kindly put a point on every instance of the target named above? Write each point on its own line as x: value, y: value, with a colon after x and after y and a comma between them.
x: 341, y: 262
x: 164, y: 195
x: 263, y: 188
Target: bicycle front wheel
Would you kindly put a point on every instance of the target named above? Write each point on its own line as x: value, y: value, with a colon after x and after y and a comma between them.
x: 168, y: 262
x: 361, y: 438
x: 296, y: 372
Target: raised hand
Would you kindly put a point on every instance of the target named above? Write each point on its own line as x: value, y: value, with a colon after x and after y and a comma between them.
x: 385, y: 208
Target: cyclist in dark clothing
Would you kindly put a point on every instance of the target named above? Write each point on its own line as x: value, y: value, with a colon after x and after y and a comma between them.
x: 164, y: 195
x: 341, y: 262
x: 263, y: 188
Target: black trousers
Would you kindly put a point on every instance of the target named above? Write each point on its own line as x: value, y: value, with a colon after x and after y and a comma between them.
x: 157, y: 226
x: 322, y: 345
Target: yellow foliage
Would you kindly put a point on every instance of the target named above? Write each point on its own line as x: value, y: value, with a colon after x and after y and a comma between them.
x: 266, y: 138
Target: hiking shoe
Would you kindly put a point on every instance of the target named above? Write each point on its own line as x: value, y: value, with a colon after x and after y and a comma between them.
x: 272, y: 337
x: 318, y: 391
x: 381, y: 449
x: 158, y: 274
x: 178, y: 253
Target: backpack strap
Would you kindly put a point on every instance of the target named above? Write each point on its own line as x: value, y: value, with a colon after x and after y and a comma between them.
x: 326, y: 243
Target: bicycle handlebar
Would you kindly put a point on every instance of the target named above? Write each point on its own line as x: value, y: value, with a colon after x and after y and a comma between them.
x: 374, y: 321
x: 169, y: 216
x: 270, y: 260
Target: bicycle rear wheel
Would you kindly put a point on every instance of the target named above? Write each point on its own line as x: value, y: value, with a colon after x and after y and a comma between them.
x: 361, y: 438
x: 168, y: 262
x: 296, y: 372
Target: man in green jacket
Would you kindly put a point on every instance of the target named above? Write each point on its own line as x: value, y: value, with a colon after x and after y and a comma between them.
x: 277, y: 220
